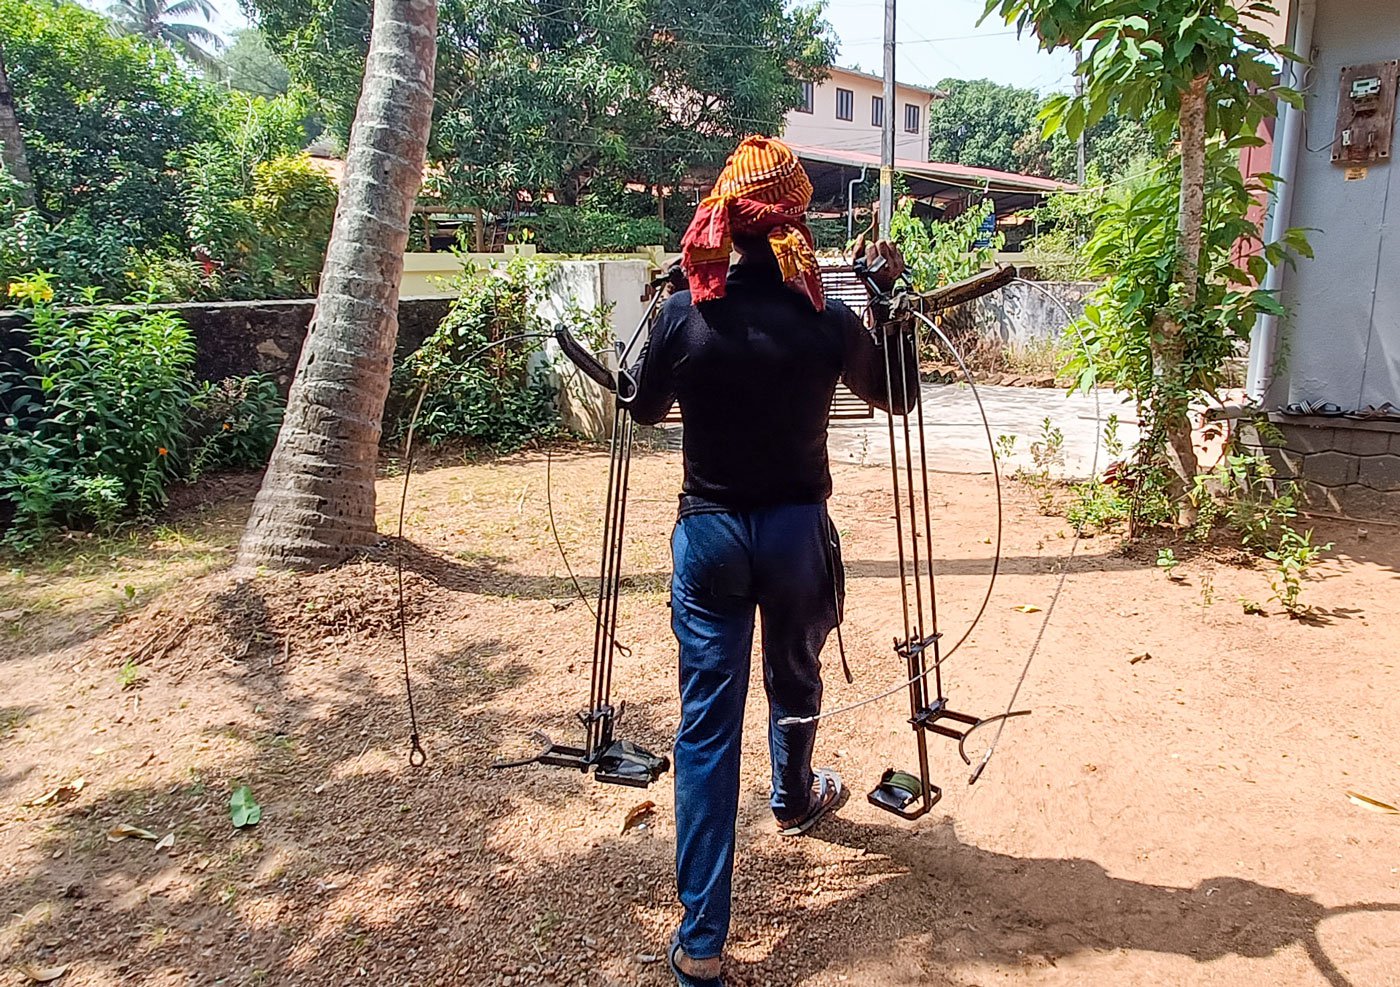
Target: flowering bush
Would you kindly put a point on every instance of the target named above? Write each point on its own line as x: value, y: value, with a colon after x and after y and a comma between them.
x: 100, y: 412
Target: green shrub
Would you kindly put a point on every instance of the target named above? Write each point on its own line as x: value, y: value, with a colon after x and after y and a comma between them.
x: 498, y: 399
x: 829, y: 233
x: 106, y: 121
x: 264, y: 225
x: 233, y: 424
x: 943, y: 252
x: 293, y: 203
x: 580, y: 230
x: 137, y: 163
x: 93, y: 429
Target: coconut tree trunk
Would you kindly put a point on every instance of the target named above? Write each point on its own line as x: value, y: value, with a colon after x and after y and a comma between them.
x: 316, y: 504
x: 1168, y: 345
x: 12, y: 152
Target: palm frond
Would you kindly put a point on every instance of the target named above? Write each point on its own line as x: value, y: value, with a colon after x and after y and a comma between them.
x: 190, y: 34
x: 185, y: 8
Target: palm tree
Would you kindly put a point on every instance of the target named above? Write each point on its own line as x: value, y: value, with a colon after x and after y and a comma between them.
x: 157, y: 20
x: 12, y: 153
x: 316, y: 504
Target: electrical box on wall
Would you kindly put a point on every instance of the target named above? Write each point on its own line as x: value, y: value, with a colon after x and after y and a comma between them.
x: 1366, y: 113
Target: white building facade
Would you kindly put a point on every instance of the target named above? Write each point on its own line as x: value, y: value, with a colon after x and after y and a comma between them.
x: 845, y: 112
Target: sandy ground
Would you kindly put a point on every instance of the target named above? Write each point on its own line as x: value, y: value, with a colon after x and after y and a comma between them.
x: 1179, y: 819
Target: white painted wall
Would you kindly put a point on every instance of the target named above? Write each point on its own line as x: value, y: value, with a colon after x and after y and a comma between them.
x: 431, y: 273
x: 589, y: 283
x: 820, y: 128
x: 1340, y: 342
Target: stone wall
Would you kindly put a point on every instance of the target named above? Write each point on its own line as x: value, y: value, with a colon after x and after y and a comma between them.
x: 237, y: 338
x: 1342, y: 466
x: 1022, y: 315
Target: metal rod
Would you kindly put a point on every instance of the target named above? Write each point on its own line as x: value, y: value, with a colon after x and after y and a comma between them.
x: 628, y: 427
x: 928, y: 536
x: 996, y: 550
x: 917, y: 652
x: 643, y: 329
x: 602, y: 631
x: 894, y: 478
x: 851, y: 202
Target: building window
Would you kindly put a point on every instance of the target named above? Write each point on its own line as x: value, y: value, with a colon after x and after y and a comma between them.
x: 877, y: 111
x: 911, y: 118
x: 808, y: 102
x: 845, y: 104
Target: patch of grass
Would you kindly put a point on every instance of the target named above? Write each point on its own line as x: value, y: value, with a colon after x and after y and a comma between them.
x: 130, y: 675
x: 543, y: 927
x: 1038, y: 358
x: 11, y: 718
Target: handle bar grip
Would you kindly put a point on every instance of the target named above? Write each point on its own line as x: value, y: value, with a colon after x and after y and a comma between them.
x: 580, y: 357
x: 982, y: 283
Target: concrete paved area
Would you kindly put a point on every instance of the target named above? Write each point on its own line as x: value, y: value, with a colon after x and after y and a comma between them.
x: 958, y: 442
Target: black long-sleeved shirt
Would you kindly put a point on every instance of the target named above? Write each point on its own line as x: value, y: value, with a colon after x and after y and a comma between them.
x: 754, y: 373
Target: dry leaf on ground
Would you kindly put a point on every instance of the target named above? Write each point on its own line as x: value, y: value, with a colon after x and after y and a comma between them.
x: 63, y: 793
x: 42, y: 974
x: 1375, y: 805
x: 638, y: 814
x: 1145, y: 656
x: 1026, y: 608
x: 127, y: 831
x: 166, y: 842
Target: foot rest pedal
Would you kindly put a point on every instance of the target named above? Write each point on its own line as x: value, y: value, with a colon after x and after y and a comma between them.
x: 624, y: 763
x: 903, y: 794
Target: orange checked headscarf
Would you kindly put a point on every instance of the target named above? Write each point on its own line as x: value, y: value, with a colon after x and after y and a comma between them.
x: 762, y: 190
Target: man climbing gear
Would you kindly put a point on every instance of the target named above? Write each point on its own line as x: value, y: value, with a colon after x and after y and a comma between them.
x: 905, y: 793
x: 612, y: 760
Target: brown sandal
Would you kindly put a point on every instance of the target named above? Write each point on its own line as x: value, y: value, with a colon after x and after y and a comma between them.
x: 828, y: 796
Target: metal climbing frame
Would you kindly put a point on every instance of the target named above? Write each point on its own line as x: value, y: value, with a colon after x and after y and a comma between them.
x: 904, y: 793
x: 612, y: 760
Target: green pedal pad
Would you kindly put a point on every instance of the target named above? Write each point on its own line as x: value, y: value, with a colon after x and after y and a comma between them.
x: 903, y: 794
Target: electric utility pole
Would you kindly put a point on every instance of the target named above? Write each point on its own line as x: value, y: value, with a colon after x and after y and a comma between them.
x: 887, y: 134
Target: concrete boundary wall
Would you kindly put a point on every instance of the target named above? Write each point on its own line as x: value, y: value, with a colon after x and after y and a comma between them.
x: 233, y: 339
x: 1022, y: 316
x: 237, y: 338
x: 1344, y: 467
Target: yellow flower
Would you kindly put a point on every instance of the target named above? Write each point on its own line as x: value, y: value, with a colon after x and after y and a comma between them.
x: 31, y: 290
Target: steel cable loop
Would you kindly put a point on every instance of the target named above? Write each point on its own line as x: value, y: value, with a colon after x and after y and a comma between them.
x: 1000, y: 718
x: 996, y: 552
x: 417, y: 756
x: 1073, y: 324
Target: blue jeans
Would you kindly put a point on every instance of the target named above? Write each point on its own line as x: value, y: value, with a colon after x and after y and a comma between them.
x: 777, y: 561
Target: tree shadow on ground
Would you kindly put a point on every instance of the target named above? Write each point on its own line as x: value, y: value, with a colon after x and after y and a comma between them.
x: 1357, y: 542
x: 489, y: 576
x: 359, y: 864
x: 1009, y: 565
x: 363, y: 867
x: 975, y: 903
x: 1324, y: 616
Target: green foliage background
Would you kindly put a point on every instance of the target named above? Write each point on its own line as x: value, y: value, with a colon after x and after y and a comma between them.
x: 990, y: 125
x: 101, y: 412
x: 139, y: 166
x: 560, y: 94
x: 498, y: 396
x: 106, y: 121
